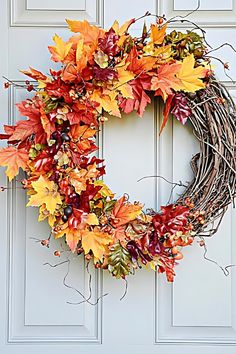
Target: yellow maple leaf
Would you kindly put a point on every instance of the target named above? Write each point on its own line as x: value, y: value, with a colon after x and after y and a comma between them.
x: 163, y: 53
x: 60, y: 50
x: 190, y: 77
x: 46, y: 193
x: 158, y: 34
x: 123, y: 28
x: 82, y: 55
x: 44, y: 214
x: 96, y: 241
x: 91, y: 219
x: 107, y: 102
x: 104, y: 191
x: 124, y: 76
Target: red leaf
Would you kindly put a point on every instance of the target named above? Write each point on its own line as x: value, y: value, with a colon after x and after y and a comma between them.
x: 173, y: 218
x: 141, y: 99
x: 108, y: 44
x: 35, y: 74
x: 82, y: 113
x: 25, y: 128
x: 166, y: 112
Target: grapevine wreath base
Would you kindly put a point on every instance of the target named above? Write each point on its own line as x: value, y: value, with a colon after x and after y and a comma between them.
x: 110, y: 71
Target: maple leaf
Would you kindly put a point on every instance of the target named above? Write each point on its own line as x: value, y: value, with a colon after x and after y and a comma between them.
x: 105, y: 191
x: 158, y: 34
x: 9, y: 130
x: 165, y: 80
x: 47, y: 125
x: 90, y: 33
x: 14, y: 159
x: 79, y: 178
x: 162, y: 54
x: 73, y: 236
x: 139, y: 65
x: 46, y: 193
x: 124, y: 76
x: 107, y: 102
x: 82, y: 132
x: 91, y: 219
x: 124, y: 212
x: 96, y: 241
x: 87, y: 195
x: 35, y: 74
x: 190, y: 77
x: 120, y: 30
x: 82, y: 112
x: 81, y: 55
x: 44, y: 214
x: 25, y: 128
x: 69, y: 73
x: 140, y: 98
x: 60, y: 50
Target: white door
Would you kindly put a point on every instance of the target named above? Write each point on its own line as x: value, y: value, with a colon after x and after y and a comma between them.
x: 196, y: 314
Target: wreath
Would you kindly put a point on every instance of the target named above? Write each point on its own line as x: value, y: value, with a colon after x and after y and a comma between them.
x: 104, y: 73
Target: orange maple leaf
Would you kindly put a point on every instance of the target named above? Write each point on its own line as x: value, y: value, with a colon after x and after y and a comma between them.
x: 139, y: 65
x: 107, y: 101
x: 165, y: 80
x: 90, y: 33
x: 82, y: 132
x: 14, y: 159
x: 124, y: 212
x: 35, y: 74
x: 158, y: 34
x: 72, y: 236
x: 47, y: 125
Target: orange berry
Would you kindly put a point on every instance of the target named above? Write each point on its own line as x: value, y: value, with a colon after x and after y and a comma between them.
x: 57, y: 253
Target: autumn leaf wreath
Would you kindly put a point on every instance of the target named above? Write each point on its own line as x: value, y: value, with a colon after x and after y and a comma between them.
x: 104, y: 73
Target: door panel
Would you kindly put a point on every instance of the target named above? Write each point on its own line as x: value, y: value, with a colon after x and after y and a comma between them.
x: 197, y: 312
